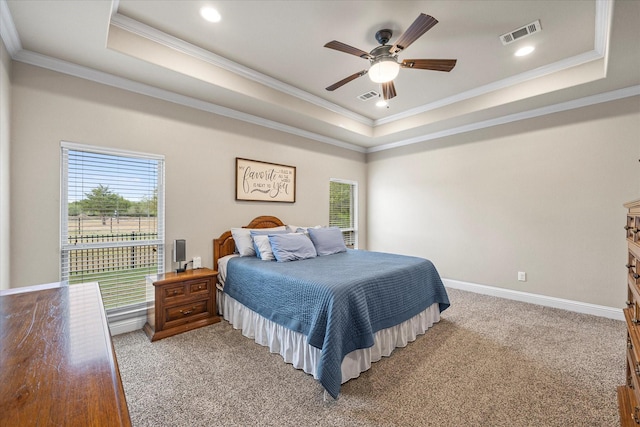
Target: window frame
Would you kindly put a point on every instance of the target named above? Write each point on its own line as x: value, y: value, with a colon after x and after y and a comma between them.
x: 353, y: 208
x: 131, y: 310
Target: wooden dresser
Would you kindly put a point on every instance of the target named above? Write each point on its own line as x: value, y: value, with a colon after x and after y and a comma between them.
x: 181, y: 302
x: 629, y: 394
x: 57, y: 363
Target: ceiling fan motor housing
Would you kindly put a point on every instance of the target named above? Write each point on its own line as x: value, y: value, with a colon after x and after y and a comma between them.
x: 383, y: 36
x: 380, y: 51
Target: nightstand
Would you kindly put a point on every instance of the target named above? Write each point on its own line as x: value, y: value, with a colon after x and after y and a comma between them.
x: 182, y: 302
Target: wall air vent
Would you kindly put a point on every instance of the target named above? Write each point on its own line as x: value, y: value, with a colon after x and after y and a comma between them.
x: 522, y: 32
x: 367, y: 96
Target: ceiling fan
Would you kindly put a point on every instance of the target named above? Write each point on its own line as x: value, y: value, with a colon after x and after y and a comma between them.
x: 384, y: 59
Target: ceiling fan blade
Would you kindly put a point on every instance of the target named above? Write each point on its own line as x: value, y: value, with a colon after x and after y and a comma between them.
x: 421, y: 25
x: 348, y: 49
x: 388, y: 90
x: 346, y: 80
x: 430, y: 64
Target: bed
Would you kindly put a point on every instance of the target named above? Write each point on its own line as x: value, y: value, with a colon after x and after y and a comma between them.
x: 331, y: 325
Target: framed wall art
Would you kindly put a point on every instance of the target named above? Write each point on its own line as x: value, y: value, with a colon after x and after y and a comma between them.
x: 265, y: 182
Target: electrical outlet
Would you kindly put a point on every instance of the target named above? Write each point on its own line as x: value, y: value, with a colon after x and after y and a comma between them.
x: 522, y: 276
x: 197, y: 262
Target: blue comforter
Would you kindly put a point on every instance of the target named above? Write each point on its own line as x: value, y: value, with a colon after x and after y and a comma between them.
x: 337, y: 301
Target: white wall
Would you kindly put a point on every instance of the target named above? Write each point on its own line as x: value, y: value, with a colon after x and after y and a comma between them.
x: 543, y: 196
x: 199, y: 148
x: 5, y: 191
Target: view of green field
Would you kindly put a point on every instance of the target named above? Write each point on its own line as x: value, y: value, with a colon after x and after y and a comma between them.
x: 82, y: 225
x: 121, y: 269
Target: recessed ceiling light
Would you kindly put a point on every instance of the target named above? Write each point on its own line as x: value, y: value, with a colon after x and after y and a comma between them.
x: 210, y: 14
x: 524, y: 51
x: 381, y: 103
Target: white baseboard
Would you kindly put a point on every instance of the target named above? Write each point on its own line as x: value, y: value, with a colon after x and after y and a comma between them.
x: 127, y: 325
x: 565, y: 304
x: 134, y: 323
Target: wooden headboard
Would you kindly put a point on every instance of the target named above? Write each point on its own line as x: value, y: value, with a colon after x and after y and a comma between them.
x: 224, y: 245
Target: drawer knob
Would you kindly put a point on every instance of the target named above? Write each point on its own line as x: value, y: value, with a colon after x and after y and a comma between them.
x: 175, y: 291
x: 187, y: 312
x: 199, y: 286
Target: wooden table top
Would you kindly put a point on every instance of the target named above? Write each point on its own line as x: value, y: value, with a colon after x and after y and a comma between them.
x: 57, y: 364
x: 172, y: 276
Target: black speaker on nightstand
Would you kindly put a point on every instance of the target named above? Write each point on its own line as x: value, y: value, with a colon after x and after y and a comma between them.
x: 180, y: 253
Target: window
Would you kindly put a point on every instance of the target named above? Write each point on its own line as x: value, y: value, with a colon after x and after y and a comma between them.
x: 343, y: 212
x: 112, y: 221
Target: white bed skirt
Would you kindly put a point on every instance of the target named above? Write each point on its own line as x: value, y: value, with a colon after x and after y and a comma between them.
x: 293, y: 347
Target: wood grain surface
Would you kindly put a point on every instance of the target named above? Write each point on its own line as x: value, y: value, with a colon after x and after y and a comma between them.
x: 57, y: 364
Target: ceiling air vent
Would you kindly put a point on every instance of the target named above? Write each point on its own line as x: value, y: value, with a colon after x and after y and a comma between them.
x: 525, y: 31
x: 367, y: 96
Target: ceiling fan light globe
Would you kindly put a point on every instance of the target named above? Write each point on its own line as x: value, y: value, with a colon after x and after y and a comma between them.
x: 383, y: 70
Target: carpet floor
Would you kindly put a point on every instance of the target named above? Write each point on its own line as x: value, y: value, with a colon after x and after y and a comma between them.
x: 488, y: 362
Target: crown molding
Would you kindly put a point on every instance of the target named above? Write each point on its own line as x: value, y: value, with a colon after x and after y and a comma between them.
x: 157, y: 36
x: 542, y: 111
x: 101, y: 77
x: 604, y: 14
x: 86, y: 73
x: 604, y: 8
x: 8, y: 31
x: 495, y: 86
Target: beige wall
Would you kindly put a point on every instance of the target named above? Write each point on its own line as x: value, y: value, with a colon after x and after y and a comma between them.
x: 199, y: 149
x: 543, y: 196
x: 5, y: 116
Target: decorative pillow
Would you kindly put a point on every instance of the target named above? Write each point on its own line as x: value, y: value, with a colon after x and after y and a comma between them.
x: 263, y: 247
x: 242, y: 237
x: 327, y: 241
x: 261, y: 243
x: 291, y: 247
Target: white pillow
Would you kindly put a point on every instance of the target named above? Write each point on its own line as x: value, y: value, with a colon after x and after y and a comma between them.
x: 244, y: 243
x: 263, y: 247
x: 298, y: 229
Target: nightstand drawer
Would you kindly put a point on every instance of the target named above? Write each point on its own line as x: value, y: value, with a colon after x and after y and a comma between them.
x: 171, y: 292
x: 185, y: 311
x: 199, y: 287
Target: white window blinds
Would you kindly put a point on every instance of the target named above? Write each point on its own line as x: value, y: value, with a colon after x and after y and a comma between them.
x: 343, y: 197
x: 112, y: 220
